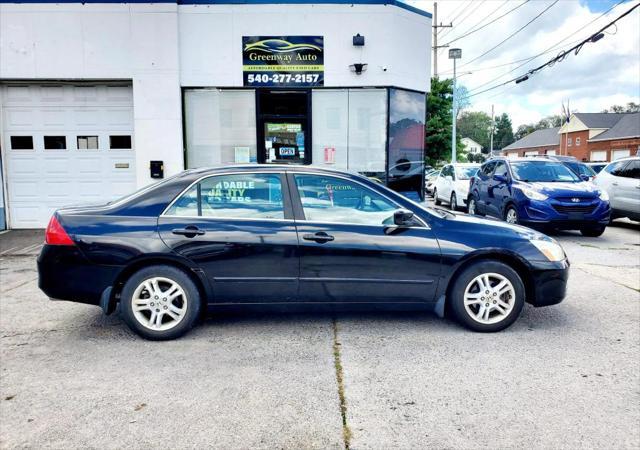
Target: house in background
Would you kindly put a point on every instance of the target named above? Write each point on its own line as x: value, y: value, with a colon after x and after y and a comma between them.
x: 540, y: 142
x: 586, y: 136
x: 470, y: 146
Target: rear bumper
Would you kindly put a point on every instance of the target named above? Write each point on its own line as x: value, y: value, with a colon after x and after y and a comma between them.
x: 65, y: 274
x: 549, y: 283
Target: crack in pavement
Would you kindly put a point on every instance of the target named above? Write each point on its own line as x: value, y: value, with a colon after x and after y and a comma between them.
x: 605, y: 278
x: 19, y: 285
x: 346, y: 432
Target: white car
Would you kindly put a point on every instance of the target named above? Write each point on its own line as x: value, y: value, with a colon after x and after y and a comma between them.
x: 621, y: 180
x: 452, y: 185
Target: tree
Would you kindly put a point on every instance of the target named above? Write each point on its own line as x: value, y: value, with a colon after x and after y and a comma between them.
x: 475, y: 125
x: 631, y: 107
x: 504, y: 132
x: 438, y: 129
x: 555, y: 120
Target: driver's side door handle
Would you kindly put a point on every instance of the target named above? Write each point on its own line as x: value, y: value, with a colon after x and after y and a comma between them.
x: 190, y: 231
x: 320, y: 237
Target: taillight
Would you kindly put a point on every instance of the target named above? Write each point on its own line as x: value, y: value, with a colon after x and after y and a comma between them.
x: 55, y: 234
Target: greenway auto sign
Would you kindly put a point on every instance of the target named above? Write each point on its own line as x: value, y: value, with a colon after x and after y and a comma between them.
x: 283, y: 61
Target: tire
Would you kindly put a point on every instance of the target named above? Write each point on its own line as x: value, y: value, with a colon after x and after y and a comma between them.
x: 474, y: 316
x: 435, y: 198
x: 593, y: 231
x: 511, y: 215
x: 472, y: 207
x: 453, y: 202
x: 173, y: 317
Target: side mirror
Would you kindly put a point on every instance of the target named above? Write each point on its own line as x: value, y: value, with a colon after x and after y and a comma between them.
x: 402, y: 217
x: 585, y: 177
x: 500, y: 178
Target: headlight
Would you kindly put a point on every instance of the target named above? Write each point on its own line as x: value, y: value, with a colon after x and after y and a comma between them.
x: 534, y: 195
x: 604, y: 196
x: 551, y: 249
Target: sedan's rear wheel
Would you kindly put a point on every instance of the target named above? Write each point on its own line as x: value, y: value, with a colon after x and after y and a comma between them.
x: 487, y: 296
x: 160, y: 302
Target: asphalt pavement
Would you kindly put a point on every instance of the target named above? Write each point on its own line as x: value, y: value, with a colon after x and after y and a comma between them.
x: 566, y: 376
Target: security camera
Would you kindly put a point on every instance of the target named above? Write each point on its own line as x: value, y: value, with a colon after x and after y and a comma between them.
x: 384, y: 68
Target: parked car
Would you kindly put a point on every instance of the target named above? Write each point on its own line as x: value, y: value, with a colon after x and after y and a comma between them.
x: 579, y: 168
x: 597, y: 166
x: 621, y: 180
x: 291, y: 236
x: 452, y: 185
x: 430, y: 181
x: 539, y: 192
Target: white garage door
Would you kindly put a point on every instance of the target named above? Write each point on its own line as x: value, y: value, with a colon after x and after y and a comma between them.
x: 617, y: 154
x: 64, y: 145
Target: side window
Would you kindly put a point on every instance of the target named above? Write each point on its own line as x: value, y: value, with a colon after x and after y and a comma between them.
x: 241, y: 196
x: 501, y: 169
x: 631, y: 170
x: 616, y: 168
x: 444, y: 171
x: 335, y: 200
x: 487, y: 169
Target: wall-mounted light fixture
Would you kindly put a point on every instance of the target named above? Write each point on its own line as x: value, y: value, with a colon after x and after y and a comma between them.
x: 358, y: 68
x: 358, y: 40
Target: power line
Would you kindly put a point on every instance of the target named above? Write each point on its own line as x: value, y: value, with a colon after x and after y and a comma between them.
x: 512, y: 34
x: 548, y: 49
x: 595, y: 37
x: 469, y: 12
x: 472, y: 30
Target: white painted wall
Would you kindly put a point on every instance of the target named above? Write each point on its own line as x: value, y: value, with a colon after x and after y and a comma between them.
x: 211, y: 42
x: 137, y: 42
x: 161, y: 47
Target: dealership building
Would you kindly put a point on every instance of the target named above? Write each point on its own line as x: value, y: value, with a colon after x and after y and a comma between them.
x: 99, y: 98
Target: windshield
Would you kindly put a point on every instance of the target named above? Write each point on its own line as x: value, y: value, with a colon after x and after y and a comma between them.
x: 581, y: 169
x: 543, y: 171
x: 464, y: 173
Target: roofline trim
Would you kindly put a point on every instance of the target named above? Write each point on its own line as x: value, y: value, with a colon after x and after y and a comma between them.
x: 614, y: 138
x: 506, y: 149
x: 397, y: 3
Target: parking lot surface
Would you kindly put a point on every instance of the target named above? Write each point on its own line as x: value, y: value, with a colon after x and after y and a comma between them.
x: 566, y: 376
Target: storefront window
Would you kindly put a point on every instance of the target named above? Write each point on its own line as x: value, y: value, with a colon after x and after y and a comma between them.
x: 220, y: 127
x: 407, y: 111
x: 349, y: 129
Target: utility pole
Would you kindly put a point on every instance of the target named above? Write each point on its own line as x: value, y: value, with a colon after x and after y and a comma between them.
x: 492, y: 126
x: 455, y: 54
x: 436, y: 47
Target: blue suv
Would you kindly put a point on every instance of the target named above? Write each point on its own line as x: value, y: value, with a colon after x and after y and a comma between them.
x: 538, y: 192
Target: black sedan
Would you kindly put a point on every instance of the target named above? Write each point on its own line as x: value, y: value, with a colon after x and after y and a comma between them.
x: 291, y: 235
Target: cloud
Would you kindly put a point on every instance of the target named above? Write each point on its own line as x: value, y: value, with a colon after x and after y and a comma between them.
x: 602, y: 74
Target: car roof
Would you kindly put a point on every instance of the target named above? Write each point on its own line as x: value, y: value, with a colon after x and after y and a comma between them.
x: 201, y: 171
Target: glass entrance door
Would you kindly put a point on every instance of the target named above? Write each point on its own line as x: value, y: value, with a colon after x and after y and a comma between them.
x: 283, y: 127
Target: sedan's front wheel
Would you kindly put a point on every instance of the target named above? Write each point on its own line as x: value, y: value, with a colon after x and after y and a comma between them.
x: 160, y: 302
x: 487, y: 296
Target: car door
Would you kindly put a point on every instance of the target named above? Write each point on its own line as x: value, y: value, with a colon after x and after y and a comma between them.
x: 447, y: 180
x: 498, y: 191
x: 239, y: 229
x: 349, y: 250
x: 484, y: 179
x: 440, y: 184
x: 626, y: 187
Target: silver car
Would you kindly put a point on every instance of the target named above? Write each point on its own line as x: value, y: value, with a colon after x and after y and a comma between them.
x: 621, y: 180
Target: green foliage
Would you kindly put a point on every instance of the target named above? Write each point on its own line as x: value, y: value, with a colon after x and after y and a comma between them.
x: 504, y: 132
x: 438, y: 132
x: 476, y: 158
x: 552, y: 121
x: 630, y: 107
x: 475, y: 125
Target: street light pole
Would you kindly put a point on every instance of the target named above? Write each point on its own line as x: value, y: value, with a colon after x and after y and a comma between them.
x: 454, y: 53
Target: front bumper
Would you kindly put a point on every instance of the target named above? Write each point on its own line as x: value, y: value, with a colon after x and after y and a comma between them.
x: 565, y: 215
x: 65, y: 274
x: 549, y: 283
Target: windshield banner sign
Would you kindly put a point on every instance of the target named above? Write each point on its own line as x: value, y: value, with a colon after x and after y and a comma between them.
x: 283, y: 61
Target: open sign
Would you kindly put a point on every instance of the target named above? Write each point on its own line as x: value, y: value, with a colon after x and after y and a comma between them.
x: 287, y: 151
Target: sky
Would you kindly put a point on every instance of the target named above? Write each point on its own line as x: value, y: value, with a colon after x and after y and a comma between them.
x: 602, y: 74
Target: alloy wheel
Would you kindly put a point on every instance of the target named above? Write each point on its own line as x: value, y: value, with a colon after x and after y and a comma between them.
x: 512, y: 216
x: 454, y: 202
x: 472, y: 206
x: 489, y: 298
x: 159, y: 303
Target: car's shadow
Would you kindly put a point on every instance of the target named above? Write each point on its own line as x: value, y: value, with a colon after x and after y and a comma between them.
x: 531, y: 319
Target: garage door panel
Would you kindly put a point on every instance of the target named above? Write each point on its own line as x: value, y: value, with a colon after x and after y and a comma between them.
x: 41, y: 181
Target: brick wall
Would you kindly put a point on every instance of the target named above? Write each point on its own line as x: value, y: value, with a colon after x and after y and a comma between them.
x: 630, y: 144
x: 575, y: 144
